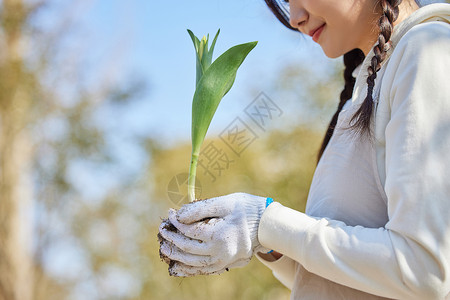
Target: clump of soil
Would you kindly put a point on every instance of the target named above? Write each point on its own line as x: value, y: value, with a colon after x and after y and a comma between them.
x: 206, y: 220
x: 165, y: 258
x: 170, y: 227
x: 198, y: 200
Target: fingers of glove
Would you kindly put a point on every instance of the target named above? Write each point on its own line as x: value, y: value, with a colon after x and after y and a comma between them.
x: 186, y: 244
x: 171, y: 251
x: 205, y: 209
x: 240, y: 263
x: 179, y: 269
x: 202, y: 230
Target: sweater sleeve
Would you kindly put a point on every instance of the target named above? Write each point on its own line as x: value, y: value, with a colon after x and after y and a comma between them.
x: 410, y: 257
x: 283, y: 269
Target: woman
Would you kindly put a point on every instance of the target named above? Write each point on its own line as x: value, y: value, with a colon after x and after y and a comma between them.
x: 377, y: 221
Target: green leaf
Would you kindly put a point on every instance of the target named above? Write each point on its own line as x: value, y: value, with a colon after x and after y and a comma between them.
x: 208, y: 55
x: 203, y: 54
x: 213, y: 81
x: 198, y: 62
x: 194, y: 40
x: 213, y: 85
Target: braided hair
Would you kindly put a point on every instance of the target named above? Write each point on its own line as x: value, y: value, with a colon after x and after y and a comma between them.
x: 352, y: 59
x: 361, y: 120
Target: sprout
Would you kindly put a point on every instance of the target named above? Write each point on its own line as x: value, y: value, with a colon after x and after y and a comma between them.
x: 213, y: 81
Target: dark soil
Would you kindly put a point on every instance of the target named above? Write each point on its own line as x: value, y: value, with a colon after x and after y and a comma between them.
x: 169, y: 226
x: 165, y: 258
x: 198, y: 200
x: 206, y: 220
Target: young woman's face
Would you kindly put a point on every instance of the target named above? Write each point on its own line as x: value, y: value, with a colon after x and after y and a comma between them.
x: 338, y: 26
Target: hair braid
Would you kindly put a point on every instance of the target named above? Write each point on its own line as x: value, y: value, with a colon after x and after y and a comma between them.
x: 361, y: 119
x: 352, y: 59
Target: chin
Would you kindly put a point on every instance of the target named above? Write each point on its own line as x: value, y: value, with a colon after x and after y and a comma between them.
x: 332, y: 54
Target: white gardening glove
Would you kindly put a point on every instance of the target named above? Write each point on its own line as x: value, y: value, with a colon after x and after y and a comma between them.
x: 213, y: 235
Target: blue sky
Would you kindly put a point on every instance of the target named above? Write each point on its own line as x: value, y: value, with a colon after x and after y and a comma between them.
x: 151, y: 41
x: 148, y: 39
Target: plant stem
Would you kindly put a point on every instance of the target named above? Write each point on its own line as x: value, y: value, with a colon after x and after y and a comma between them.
x: 191, y: 179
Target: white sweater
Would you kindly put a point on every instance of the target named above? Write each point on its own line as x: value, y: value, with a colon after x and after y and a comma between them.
x: 377, y: 222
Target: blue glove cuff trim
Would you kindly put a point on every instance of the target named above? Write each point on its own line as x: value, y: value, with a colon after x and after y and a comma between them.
x: 268, y: 201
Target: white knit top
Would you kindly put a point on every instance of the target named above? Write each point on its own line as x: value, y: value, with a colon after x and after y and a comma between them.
x: 377, y: 221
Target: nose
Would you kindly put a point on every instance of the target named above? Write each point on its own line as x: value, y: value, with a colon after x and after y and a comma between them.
x: 298, y: 15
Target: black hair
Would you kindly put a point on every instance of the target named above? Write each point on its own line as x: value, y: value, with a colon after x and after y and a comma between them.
x: 361, y: 120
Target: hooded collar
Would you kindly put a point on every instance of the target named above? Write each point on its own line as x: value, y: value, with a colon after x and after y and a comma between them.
x: 428, y: 13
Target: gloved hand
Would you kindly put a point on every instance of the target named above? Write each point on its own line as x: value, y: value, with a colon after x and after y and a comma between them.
x: 210, y: 236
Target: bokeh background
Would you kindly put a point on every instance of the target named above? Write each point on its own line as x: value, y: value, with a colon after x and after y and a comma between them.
x: 95, y: 114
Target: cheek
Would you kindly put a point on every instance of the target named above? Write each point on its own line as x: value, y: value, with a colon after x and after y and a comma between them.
x: 311, y: 5
x: 335, y: 44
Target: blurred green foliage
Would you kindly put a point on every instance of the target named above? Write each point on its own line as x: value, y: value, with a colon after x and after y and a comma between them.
x: 96, y: 218
x: 279, y: 165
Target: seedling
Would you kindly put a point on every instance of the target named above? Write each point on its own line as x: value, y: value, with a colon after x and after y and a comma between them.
x: 213, y: 81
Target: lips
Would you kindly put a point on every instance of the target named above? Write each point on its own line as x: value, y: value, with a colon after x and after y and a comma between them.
x: 315, y: 33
